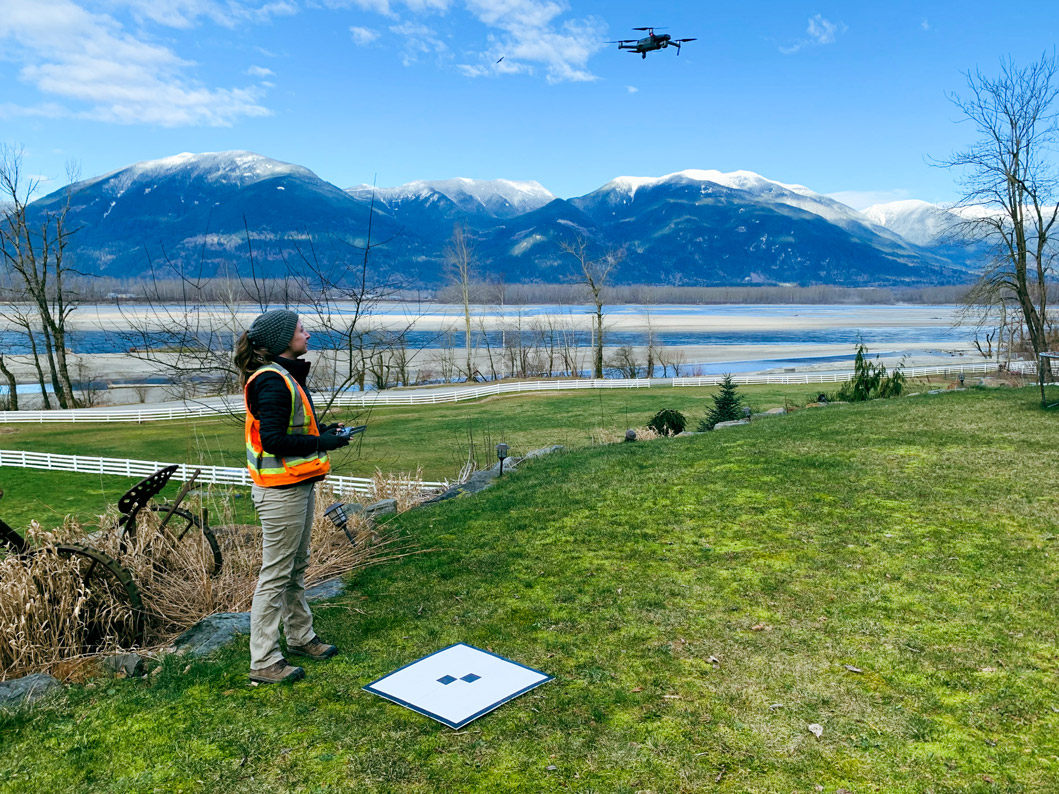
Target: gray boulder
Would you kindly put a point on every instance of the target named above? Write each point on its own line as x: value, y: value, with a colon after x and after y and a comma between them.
x: 773, y: 412
x: 212, y: 633
x: 332, y: 588
x: 539, y: 453
x: 383, y: 507
x: 736, y: 423
x: 481, y: 480
x: 128, y: 664
x: 27, y: 689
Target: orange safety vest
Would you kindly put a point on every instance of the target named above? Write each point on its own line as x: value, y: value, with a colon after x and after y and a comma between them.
x: 266, y: 469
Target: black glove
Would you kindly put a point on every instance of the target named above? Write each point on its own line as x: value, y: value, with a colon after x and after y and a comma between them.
x: 329, y: 440
x: 333, y: 426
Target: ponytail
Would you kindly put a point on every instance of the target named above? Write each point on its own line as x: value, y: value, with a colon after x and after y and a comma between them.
x: 248, y: 358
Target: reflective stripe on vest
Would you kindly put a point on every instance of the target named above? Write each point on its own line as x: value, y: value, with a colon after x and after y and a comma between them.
x: 268, y: 470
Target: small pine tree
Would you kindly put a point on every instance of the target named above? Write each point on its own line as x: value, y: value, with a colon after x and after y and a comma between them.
x: 727, y: 405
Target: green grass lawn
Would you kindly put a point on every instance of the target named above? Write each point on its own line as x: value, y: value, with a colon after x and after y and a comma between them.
x: 436, y: 437
x: 700, y: 601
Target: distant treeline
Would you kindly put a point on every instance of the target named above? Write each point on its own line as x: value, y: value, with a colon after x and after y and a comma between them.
x: 105, y: 289
x: 649, y: 294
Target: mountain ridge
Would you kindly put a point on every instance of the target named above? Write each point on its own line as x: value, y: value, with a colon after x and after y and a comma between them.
x: 694, y: 227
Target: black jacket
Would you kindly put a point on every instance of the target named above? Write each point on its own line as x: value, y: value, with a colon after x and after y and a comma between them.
x: 270, y: 402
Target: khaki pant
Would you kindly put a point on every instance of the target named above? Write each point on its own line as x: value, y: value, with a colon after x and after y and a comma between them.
x: 286, y: 522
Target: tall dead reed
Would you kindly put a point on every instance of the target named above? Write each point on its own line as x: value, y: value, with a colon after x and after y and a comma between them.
x: 602, y: 435
x: 50, y: 612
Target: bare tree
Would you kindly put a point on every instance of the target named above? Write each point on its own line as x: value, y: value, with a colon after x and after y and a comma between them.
x: 593, y: 274
x: 32, y: 248
x: 189, y: 337
x: 1009, y: 185
x: 624, y: 360
x: 11, y: 402
x: 459, y: 260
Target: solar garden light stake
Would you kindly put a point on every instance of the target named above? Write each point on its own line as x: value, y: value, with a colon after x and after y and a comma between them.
x: 501, y: 453
x: 337, y: 515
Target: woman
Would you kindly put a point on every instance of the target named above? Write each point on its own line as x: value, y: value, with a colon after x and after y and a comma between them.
x: 287, y: 455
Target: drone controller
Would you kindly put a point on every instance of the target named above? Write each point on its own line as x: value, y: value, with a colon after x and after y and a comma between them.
x: 348, y: 432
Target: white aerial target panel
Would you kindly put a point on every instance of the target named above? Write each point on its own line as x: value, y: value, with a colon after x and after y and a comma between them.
x: 457, y: 684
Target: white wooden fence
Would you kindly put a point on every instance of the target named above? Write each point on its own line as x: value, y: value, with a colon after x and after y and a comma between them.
x: 143, y: 468
x: 233, y: 404
x: 1023, y: 367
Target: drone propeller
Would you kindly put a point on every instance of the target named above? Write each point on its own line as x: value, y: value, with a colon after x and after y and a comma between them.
x: 621, y: 41
x: 675, y: 41
x: 650, y: 28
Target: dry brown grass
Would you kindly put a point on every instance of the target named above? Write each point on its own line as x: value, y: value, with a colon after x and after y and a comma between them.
x: 406, y: 489
x: 49, y: 614
x: 601, y: 435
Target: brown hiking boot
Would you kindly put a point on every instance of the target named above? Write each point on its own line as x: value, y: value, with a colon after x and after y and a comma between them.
x: 275, y: 673
x: 314, y: 649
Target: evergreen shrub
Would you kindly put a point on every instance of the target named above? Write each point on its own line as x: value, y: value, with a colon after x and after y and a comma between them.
x: 727, y: 405
x: 870, y: 380
x: 668, y: 422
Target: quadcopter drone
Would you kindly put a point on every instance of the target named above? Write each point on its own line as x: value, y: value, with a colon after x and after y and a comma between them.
x: 652, y: 41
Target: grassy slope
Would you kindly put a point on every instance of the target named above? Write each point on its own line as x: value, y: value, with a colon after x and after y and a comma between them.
x: 435, y: 437
x: 913, y: 539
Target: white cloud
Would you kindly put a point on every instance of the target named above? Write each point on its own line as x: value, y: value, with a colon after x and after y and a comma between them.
x: 820, y: 31
x: 631, y: 89
x: 924, y: 24
x: 376, y: 6
x: 528, y: 36
x: 185, y: 13
x: 363, y: 36
x: 96, y: 69
x: 417, y: 40
x: 259, y: 71
x: 386, y: 7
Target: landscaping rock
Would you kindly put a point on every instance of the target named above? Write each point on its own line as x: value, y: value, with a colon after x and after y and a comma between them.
x: 329, y: 589
x: 481, y: 480
x: 537, y: 453
x: 27, y: 689
x: 736, y: 423
x: 212, y: 633
x: 990, y: 382
x: 128, y: 664
x: 383, y: 507
x: 773, y: 412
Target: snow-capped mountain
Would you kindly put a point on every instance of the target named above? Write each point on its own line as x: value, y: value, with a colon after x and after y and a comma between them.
x: 741, y: 227
x: 199, y: 208
x: 693, y: 227
x: 233, y: 168
x: 498, y: 198
x: 623, y: 190
x: 919, y: 222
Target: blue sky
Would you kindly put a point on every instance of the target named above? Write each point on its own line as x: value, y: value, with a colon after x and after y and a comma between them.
x: 848, y: 99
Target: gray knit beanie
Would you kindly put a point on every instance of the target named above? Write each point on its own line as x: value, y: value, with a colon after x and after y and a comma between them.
x: 273, y: 330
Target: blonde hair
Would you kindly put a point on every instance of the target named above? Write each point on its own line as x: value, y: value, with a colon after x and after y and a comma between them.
x: 248, y: 358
